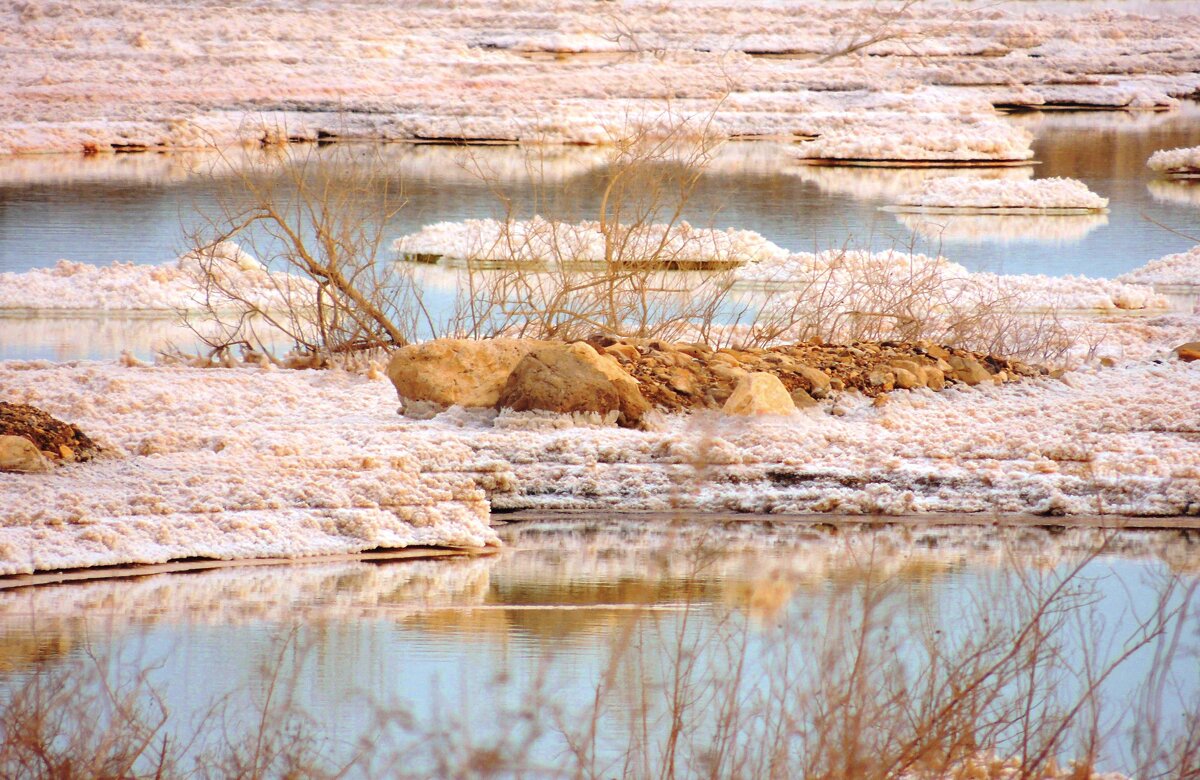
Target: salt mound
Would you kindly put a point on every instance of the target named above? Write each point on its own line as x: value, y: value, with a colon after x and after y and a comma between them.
x: 972, y: 139
x: 540, y: 240
x: 1178, y: 270
x: 1184, y: 161
x: 969, y: 193
x: 854, y: 280
x: 180, y: 286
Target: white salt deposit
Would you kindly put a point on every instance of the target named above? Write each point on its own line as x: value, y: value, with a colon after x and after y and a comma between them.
x: 543, y: 241
x: 227, y: 463
x: 171, y: 287
x: 1176, y: 161
x: 966, y: 192
x: 1178, y: 270
x: 562, y: 71
x: 969, y: 140
x: 864, y: 281
x: 242, y: 463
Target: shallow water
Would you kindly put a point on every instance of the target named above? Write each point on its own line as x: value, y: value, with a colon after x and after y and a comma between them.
x: 468, y: 645
x: 137, y: 207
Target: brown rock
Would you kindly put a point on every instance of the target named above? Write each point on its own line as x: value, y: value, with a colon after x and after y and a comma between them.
x: 572, y: 378
x: 759, y: 393
x: 462, y: 372
x: 969, y: 370
x: 906, y: 380
x: 681, y: 381
x: 622, y: 352
x: 933, y: 377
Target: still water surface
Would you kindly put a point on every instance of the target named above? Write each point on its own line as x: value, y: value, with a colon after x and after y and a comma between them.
x: 138, y: 207
x: 470, y: 644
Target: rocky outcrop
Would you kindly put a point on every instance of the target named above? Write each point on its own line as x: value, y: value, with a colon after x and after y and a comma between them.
x: 456, y: 372
x: 759, y: 393
x: 680, y: 377
x: 47, y: 438
x: 633, y: 376
x: 570, y: 378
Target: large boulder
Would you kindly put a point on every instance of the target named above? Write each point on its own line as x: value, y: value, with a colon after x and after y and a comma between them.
x: 19, y: 454
x: 569, y: 378
x: 462, y: 372
x: 759, y: 393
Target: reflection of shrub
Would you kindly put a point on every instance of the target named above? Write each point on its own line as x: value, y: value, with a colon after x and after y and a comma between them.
x: 864, y: 678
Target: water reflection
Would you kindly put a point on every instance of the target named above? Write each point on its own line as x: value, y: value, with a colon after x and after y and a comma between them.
x: 1002, y: 228
x: 582, y: 611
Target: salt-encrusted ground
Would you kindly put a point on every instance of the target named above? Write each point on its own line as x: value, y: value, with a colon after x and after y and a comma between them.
x: 109, y: 74
x: 253, y: 462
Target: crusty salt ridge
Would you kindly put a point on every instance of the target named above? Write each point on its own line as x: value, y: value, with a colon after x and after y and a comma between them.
x: 836, y: 275
x: 1178, y: 270
x: 483, y: 70
x: 952, y: 140
x: 170, y: 287
x: 243, y: 463
x: 234, y: 464
x: 540, y: 240
x: 866, y: 183
x: 1176, y: 161
x: 957, y: 193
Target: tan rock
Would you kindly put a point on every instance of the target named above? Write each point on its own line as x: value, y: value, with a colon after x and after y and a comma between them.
x: 936, y: 352
x: 726, y: 358
x: 573, y: 378
x: 969, y: 370
x: 463, y: 372
x: 759, y: 393
x: 801, y: 399
x: 933, y: 377
x: 20, y: 454
x: 906, y: 380
x: 623, y: 352
x: 879, y: 377
x: 1188, y: 352
x: 815, y: 377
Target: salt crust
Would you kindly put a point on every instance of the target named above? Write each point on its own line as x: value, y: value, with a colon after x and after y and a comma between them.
x: 844, y: 275
x: 1178, y: 270
x: 566, y: 71
x: 164, y: 288
x: 230, y: 464
x: 539, y: 241
x: 966, y: 192
x: 1176, y: 160
x: 246, y: 462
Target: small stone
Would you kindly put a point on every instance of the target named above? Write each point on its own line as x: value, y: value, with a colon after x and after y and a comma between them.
x: 880, y: 400
x: 933, y: 377
x: 802, y: 399
x: 879, y: 377
x: 19, y: 454
x: 818, y: 379
x: 65, y: 452
x: 969, y: 371
x: 1188, y: 352
x: 907, y: 380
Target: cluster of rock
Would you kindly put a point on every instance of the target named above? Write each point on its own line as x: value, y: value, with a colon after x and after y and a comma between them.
x: 626, y: 378
x: 32, y: 441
